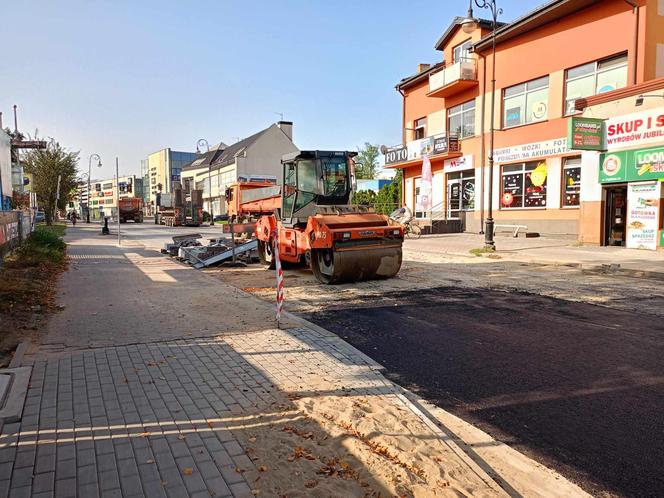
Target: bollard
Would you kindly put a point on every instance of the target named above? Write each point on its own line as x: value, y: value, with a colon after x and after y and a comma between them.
x: 104, y: 229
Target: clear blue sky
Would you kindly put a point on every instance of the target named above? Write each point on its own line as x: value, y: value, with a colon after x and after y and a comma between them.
x: 126, y: 78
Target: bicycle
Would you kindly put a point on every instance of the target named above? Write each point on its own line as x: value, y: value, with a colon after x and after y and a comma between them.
x: 412, y: 230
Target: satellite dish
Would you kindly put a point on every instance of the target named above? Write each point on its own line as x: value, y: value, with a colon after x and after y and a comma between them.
x: 383, y: 149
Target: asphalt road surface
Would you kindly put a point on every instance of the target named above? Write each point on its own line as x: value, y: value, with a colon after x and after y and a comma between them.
x: 578, y: 387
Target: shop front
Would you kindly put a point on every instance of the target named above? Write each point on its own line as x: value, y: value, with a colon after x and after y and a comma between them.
x: 538, y: 185
x: 632, y: 188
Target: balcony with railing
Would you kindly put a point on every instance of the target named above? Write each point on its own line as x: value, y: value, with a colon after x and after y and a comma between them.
x: 442, y: 145
x: 453, y: 78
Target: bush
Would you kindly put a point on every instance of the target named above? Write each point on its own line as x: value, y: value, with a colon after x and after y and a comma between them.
x: 44, y: 245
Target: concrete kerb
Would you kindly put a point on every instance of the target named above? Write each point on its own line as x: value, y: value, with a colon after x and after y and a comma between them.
x: 615, y: 268
x: 12, y: 408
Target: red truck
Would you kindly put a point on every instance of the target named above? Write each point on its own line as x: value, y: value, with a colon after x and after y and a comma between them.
x: 131, y: 208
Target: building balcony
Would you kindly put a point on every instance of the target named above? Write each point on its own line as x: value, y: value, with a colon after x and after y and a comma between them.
x: 441, y: 146
x: 453, y: 79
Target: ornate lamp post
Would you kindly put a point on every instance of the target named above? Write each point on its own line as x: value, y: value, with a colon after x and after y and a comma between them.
x: 95, y: 156
x: 469, y: 25
x: 200, y: 142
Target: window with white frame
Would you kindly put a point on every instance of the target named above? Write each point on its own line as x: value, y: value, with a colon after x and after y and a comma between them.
x: 594, y: 78
x: 461, y: 52
x: 526, y: 103
x: 571, y: 188
x: 461, y: 119
x: 420, y: 128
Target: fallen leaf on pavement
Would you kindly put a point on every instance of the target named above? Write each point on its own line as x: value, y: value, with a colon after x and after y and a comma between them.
x: 262, y: 468
x: 188, y: 471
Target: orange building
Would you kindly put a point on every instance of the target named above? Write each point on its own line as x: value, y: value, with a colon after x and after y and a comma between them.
x: 548, y: 63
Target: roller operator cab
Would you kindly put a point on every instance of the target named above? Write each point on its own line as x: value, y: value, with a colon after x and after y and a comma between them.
x: 316, y: 224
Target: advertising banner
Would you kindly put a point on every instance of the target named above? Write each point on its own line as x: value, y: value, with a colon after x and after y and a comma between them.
x: 527, y: 152
x: 585, y: 134
x: 425, y: 186
x: 643, y: 215
x: 416, y: 149
x: 639, y: 128
x: 632, y: 165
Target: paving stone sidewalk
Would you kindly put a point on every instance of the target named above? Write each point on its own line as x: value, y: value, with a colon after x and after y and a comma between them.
x: 162, y: 419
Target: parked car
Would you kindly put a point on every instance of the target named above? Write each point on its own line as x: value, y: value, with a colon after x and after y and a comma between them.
x: 40, y: 217
x: 220, y: 217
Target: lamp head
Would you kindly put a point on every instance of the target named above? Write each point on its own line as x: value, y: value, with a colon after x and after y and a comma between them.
x: 639, y: 101
x: 469, y: 25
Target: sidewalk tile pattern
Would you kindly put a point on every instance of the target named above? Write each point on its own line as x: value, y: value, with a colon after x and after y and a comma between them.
x: 157, y: 419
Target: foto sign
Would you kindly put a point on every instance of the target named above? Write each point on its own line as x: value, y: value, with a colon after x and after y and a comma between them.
x: 586, y: 134
x: 632, y: 165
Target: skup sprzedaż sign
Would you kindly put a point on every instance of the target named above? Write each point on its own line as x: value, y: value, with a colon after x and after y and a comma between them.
x: 643, y: 215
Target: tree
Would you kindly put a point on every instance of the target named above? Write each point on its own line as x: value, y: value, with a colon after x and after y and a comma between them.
x: 45, y: 166
x: 389, y: 197
x: 366, y: 161
x: 364, y: 197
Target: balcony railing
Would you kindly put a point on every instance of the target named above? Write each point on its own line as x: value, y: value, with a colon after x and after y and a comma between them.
x: 453, y: 78
x: 416, y: 149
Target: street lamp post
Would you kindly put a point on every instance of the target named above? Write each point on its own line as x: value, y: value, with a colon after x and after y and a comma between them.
x: 95, y: 156
x: 200, y: 142
x: 469, y: 25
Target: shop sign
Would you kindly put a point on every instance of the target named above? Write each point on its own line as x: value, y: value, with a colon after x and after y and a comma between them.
x: 639, y: 128
x: 643, y: 215
x: 661, y: 238
x: 416, y: 149
x: 632, y: 165
x: 458, y: 164
x: 535, y: 150
x: 396, y: 155
x: 585, y: 134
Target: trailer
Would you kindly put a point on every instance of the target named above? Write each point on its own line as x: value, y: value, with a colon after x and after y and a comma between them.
x: 179, y: 208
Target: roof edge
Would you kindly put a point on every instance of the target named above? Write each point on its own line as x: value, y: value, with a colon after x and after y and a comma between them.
x: 620, y: 93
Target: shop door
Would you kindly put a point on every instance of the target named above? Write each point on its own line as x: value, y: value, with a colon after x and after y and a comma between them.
x: 453, y: 199
x: 616, y: 216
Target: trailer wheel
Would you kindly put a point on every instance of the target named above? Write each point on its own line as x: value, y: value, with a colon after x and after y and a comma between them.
x: 265, y: 254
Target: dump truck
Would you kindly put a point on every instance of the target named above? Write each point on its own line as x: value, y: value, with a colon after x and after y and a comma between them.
x: 316, y: 225
x: 131, y: 208
x: 179, y: 208
x: 247, y: 201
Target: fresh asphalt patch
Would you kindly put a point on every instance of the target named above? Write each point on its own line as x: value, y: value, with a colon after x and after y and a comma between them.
x: 578, y: 387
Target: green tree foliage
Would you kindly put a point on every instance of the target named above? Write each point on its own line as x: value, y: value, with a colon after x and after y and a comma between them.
x: 46, y: 165
x: 366, y: 162
x: 389, y: 197
x: 365, y: 198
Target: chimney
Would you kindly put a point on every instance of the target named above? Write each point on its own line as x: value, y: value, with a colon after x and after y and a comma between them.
x: 422, y: 67
x: 287, y: 128
x: 0, y: 120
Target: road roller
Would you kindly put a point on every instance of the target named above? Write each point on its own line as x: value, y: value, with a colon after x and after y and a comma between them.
x: 317, y: 225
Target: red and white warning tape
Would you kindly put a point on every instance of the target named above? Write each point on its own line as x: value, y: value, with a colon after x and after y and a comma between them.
x: 280, y: 276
